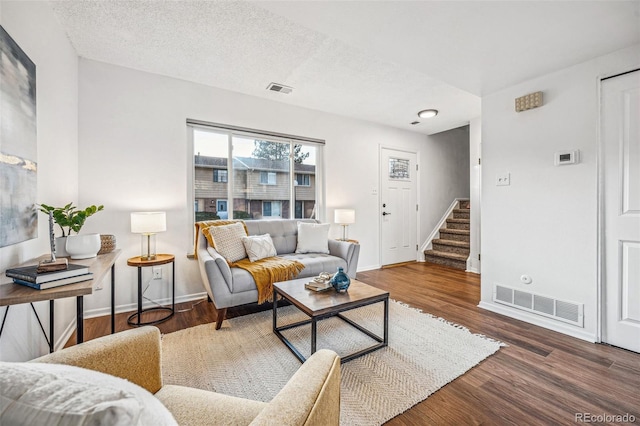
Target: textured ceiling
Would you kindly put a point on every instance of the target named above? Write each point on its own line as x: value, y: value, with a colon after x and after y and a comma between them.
x: 380, y: 61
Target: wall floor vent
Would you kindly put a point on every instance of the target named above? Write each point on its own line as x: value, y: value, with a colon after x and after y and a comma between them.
x: 561, y: 310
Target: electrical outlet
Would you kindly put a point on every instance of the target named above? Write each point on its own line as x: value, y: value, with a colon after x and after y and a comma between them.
x: 503, y: 179
x: 157, y: 273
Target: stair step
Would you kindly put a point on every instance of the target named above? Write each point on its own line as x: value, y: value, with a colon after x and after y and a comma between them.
x: 461, y: 213
x: 453, y: 256
x: 452, y: 260
x: 458, y: 223
x: 464, y: 204
x: 461, y: 244
x: 455, y: 234
x: 437, y: 246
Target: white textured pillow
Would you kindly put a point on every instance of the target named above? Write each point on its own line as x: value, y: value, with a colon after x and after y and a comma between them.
x: 35, y: 393
x: 259, y: 246
x: 227, y: 240
x: 313, y: 238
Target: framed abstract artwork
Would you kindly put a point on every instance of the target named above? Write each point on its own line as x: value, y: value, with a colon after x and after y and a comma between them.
x: 18, y: 144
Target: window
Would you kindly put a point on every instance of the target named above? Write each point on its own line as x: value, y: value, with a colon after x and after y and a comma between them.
x: 303, y: 180
x: 259, y: 176
x: 272, y: 209
x: 220, y: 175
x: 267, y: 178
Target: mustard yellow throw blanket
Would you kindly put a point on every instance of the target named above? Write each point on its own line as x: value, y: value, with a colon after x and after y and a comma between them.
x: 265, y: 272
x: 269, y: 270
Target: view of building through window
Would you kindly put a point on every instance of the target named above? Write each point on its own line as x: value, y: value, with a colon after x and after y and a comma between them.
x: 265, y: 180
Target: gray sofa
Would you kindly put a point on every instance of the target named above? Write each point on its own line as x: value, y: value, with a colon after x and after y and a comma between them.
x: 228, y: 287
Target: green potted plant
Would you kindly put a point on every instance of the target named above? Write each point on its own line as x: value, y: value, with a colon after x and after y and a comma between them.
x: 69, y: 218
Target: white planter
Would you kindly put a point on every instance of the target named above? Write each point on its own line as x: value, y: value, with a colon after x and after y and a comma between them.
x: 83, y: 246
x: 61, y: 243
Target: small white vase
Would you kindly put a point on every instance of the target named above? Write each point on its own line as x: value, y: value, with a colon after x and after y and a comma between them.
x: 61, y: 244
x: 83, y: 246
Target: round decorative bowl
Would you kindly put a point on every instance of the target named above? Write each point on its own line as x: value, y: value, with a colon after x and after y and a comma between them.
x: 107, y: 243
x: 83, y: 246
x: 340, y: 281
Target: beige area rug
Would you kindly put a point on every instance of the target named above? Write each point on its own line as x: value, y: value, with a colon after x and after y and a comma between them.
x: 245, y: 359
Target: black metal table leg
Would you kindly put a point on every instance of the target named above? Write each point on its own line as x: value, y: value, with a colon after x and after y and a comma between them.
x: 51, y: 326
x: 139, y: 294
x: 79, y: 319
x: 314, y: 328
x: 386, y: 322
x: 275, y: 310
x: 113, y: 299
x: 173, y: 287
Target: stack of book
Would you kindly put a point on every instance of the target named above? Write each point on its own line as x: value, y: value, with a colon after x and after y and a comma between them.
x: 29, y: 276
x: 319, y: 285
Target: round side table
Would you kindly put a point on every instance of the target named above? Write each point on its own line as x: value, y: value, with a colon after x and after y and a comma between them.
x: 161, y: 259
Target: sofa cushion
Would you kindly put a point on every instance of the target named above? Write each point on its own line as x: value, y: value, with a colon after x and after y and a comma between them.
x: 313, y: 238
x: 36, y: 393
x: 315, y: 263
x: 259, y: 246
x: 227, y: 240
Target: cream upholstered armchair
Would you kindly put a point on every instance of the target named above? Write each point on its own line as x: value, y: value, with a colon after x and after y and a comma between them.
x: 311, y: 397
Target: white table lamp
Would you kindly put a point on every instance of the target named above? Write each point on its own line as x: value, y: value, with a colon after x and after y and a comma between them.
x: 345, y: 217
x: 148, y: 224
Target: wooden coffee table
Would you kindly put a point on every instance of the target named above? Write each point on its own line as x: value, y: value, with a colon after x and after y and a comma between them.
x: 328, y: 304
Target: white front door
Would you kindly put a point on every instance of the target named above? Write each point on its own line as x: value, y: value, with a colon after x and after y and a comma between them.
x: 398, y: 206
x: 620, y: 138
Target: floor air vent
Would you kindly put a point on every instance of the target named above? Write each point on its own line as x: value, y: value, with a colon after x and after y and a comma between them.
x: 572, y: 313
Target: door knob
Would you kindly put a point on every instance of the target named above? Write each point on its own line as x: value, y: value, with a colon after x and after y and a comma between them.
x: 385, y: 213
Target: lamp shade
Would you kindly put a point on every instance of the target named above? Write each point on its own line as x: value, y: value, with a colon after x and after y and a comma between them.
x: 345, y: 216
x: 148, y: 222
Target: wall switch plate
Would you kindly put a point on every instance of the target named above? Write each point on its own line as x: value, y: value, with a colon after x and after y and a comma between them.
x: 503, y: 179
x: 157, y: 273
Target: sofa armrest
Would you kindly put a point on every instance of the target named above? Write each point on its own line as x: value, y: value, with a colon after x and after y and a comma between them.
x: 134, y: 355
x: 350, y: 252
x: 214, y: 268
x: 311, y: 397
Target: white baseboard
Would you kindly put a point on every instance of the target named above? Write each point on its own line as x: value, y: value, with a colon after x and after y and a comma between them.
x: 538, y: 321
x: 368, y: 268
x: 134, y: 306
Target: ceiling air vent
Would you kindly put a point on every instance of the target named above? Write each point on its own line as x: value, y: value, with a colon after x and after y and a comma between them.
x: 560, y: 310
x: 277, y: 87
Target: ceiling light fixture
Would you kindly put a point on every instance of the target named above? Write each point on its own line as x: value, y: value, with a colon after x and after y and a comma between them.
x: 428, y: 113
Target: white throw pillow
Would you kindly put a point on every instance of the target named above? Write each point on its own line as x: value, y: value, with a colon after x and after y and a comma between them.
x: 313, y: 238
x: 55, y: 394
x: 227, y: 240
x: 259, y: 246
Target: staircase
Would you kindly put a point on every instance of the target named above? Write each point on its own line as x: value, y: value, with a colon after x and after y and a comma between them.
x: 452, y: 248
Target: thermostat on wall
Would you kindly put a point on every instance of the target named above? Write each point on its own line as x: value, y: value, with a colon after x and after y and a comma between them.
x: 562, y: 158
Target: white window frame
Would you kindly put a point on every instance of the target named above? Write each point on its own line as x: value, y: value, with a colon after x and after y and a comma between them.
x: 231, y: 131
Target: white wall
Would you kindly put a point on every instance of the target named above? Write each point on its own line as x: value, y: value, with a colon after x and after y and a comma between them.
x: 33, y: 26
x: 134, y: 156
x: 545, y: 223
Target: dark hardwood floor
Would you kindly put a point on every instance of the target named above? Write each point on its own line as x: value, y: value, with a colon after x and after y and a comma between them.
x: 541, y: 377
